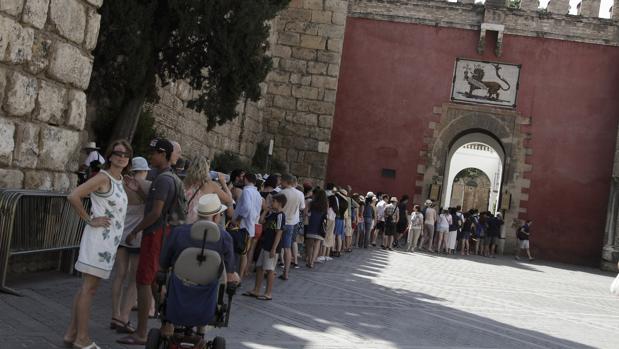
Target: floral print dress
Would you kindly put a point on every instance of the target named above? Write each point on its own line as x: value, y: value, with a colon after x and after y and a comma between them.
x: 98, y: 246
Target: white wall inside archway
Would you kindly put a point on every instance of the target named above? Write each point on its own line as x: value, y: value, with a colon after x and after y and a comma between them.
x: 481, y: 157
x: 472, y: 161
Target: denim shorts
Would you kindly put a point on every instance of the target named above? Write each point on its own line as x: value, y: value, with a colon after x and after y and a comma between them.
x: 339, y: 227
x: 287, y: 236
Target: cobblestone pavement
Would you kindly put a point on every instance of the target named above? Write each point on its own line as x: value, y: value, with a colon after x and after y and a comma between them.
x: 372, y: 299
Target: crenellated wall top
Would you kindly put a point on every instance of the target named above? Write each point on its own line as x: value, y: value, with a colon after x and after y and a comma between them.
x: 529, y: 20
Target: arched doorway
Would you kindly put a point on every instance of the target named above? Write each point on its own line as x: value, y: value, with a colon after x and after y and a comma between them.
x: 504, y: 131
x: 480, y: 155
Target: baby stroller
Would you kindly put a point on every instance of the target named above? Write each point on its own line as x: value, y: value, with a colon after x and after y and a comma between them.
x: 196, y: 288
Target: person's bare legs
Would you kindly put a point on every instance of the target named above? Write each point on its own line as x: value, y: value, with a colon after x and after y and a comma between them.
x: 529, y: 254
x: 120, y: 265
x: 259, y: 277
x: 295, y: 253
x: 309, y: 251
x: 287, y: 258
x: 129, y: 297
x: 145, y: 295
x: 317, y: 248
x: 82, y: 314
x: 245, y: 262
x: 270, y: 279
x: 71, y: 332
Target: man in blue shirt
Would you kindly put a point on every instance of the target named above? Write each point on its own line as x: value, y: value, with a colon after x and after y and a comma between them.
x: 246, y: 215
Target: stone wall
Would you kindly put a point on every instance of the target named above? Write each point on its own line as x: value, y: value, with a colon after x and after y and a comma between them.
x: 45, y: 67
x: 300, y: 96
x: 188, y: 127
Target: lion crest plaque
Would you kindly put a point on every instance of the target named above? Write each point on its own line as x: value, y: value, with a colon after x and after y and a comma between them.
x: 485, y: 83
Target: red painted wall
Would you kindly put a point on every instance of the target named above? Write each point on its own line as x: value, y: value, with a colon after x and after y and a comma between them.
x: 393, y: 74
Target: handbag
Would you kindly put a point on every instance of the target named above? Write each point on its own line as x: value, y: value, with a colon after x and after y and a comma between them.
x: 240, y: 240
x: 614, y: 287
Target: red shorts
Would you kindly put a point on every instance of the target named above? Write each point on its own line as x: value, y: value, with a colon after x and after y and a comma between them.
x: 148, y: 264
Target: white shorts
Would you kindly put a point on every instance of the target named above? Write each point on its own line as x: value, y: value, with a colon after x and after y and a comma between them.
x: 524, y: 244
x: 265, y: 261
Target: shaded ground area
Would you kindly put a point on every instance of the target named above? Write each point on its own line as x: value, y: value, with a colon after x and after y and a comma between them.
x: 372, y: 299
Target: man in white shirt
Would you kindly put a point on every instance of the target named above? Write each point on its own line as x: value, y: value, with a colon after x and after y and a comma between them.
x: 380, y: 219
x: 246, y: 215
x: 295, y: 203
x: 93, y: 155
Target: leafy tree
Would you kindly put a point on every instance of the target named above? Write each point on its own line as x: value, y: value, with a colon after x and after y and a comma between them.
x: 217, y: 46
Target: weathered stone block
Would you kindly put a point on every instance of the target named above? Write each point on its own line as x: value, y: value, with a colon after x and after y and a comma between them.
x: 15, y: 41
x: 307, y: 54
x: 183, y: 91
x: 92, y: 29
x: 300, y: 169
x: 286, y: 38
x: 306, y: 119
x: 561, y: 7
x: 35, y: 13
x: 339, y: 18
x: 76, y: 115
x: 69, y: 18
x: 328, y: 57
x: 335, y: 45
x: 333, y: 31
x: 322, y: 16
x: 12, y: 7
x: 302, y: 28
x: 313, y: 4
x: 57, y: 147
x: 3, y: 83
x: 317, y: 68
x: 21, y: 94
x: 40, y: 54
x: 300, y: 79
x: 281, y: 51
x: 317, y: 107
x: 330, y: 95
x: 40, y: 180
x: 336, y: 5
x: 325, y: 121
x: 95, y: 3
x: 279, y: 76
x: 305, y: 92
x: 69, y: 65
x: 293, y: 65
x: 7, y: 141
x: 277, y: 88
x: 62, y: 182
x: 323, y: 147
x: 295, y: 14
x: 284, y: 102
x: 51, y: 103
x: 334, y: 70
x: 324, y: 82
x: 13, y: 179
x: 313, y: 41
x: 27, y: 145
x: 529, y: 5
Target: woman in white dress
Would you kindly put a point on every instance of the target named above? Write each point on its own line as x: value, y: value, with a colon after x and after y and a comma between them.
x: 101, y: 237
x: 137, y: 187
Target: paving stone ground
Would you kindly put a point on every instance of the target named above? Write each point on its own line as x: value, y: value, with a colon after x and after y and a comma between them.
x: 372, y: 299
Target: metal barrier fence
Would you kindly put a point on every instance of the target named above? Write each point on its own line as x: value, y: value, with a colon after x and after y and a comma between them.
x: 33, y: 221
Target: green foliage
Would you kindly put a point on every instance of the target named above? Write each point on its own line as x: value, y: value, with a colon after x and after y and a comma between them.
x: 514, y: 3
x: 217, y: 46
x: 144, y: 133
x: 259, y: 160
x: 227, y: 161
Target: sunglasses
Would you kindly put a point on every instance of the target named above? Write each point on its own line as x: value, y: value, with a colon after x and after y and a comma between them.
x: 122, y: 154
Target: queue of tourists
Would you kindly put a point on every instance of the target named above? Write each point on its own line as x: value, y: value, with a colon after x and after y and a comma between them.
x: 142, y: 213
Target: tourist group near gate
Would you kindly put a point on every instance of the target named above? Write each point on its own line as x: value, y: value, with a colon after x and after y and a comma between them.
x: 309, y: 174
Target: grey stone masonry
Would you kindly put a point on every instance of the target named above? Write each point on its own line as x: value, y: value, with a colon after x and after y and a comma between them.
x: 45, y: 67
x: 590, y: 8
x: 560, y: 7
x: 300, y: 98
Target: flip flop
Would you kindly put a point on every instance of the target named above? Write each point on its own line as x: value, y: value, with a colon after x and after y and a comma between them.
x: 68, y: 344
x: 264, y: 298
x: 115, y: 323
x: 130, y: 340
x: 249, y: 294
x: 92, y: 345
x: 282, y: 277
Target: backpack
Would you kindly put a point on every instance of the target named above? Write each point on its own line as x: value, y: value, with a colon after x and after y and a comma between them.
x: 177, y: 213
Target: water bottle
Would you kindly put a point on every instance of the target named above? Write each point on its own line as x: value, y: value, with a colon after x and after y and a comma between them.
x: 215, y: 176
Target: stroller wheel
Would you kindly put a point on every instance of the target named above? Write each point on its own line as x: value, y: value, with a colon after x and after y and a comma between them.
x: 218, y: 343
x: 154, y: 339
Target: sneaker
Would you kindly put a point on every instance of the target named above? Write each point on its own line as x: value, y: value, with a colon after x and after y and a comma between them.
x: 531, y: 259
x: 328, y: 259
x: 320, y: 259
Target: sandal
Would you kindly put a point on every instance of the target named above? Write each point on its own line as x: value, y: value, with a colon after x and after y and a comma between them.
x: 249, y: 294
x: 130, y: 340
x: 282, y: 277
x: 115, y: 323
x: 265, y: 298
x: 125, y: 328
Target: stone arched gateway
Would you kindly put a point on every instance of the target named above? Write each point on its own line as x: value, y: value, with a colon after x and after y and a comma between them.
x: 505, y: 130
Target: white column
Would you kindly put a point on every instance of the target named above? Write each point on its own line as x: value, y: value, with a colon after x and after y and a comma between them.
x: 529, y: 5
x: 590, y: 8
x: 561, y: 7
